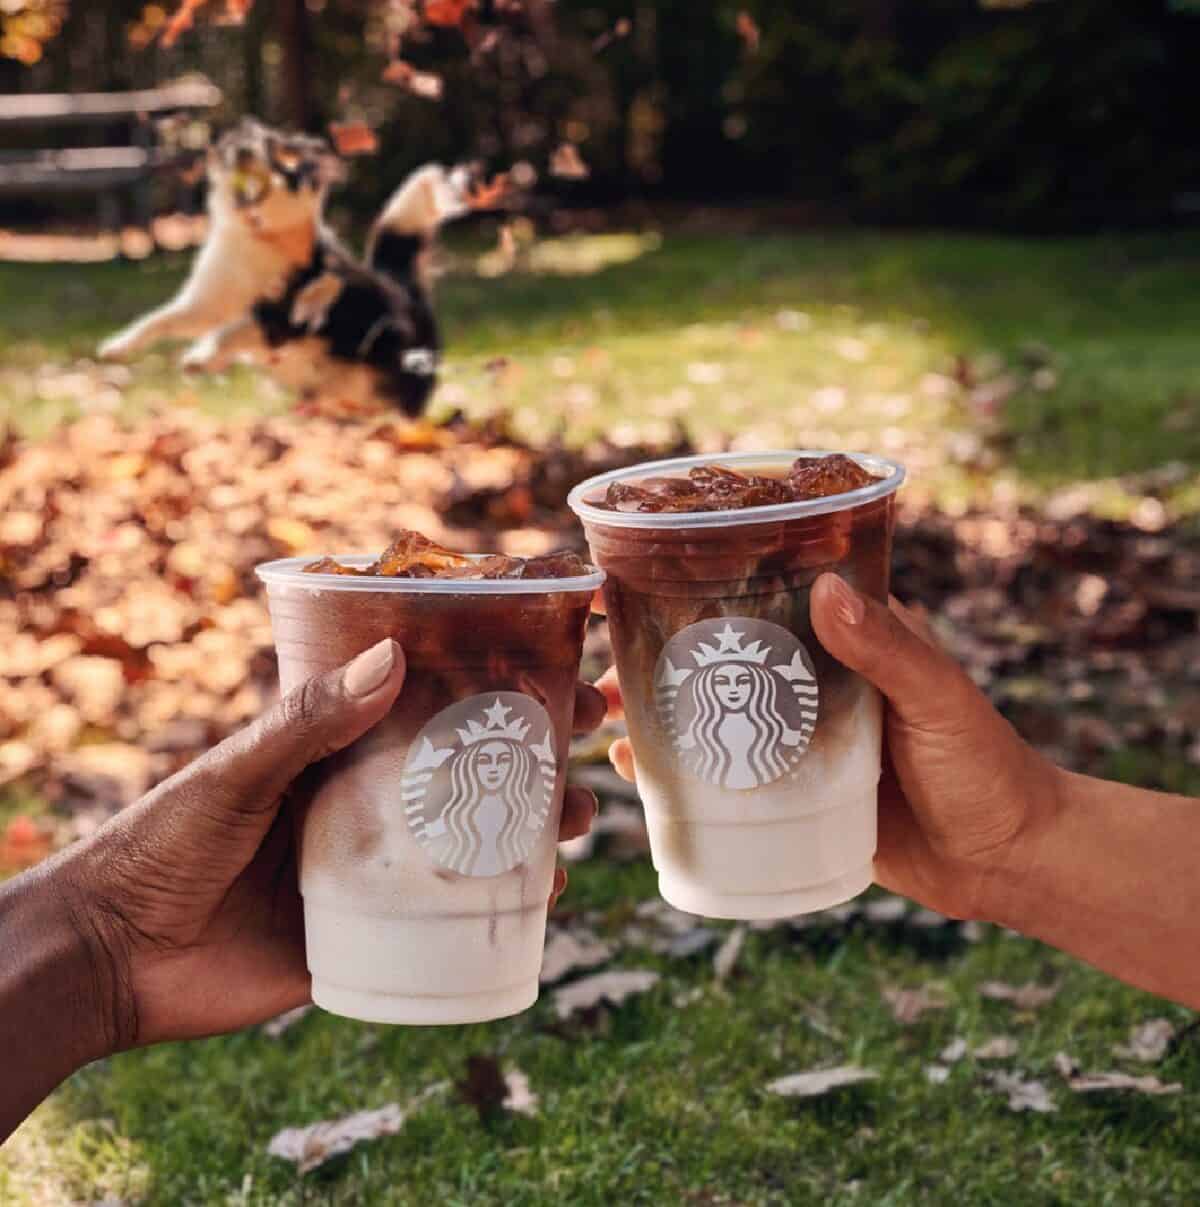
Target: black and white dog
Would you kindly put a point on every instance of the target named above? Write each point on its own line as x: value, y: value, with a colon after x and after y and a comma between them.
x: 274, y: 285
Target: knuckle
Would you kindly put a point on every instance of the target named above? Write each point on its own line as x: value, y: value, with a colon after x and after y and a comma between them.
x: 302, y: 709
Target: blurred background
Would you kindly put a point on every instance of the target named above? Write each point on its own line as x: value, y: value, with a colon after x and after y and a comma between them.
x: 962, y: 234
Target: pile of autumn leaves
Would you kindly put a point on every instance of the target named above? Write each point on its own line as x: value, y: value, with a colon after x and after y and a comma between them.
x: 134, y: 634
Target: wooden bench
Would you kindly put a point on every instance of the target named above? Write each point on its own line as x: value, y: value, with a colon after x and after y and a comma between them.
x: 111, y: 172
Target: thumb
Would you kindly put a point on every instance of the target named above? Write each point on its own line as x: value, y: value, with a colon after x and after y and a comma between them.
x: 923, y: 684
x: 250, y: 771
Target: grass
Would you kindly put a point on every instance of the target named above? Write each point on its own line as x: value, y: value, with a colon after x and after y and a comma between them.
x: 663, y: 1103
x: 787, y: 339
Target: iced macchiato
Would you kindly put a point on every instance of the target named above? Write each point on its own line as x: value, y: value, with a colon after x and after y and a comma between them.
x: 758, y: 755
x: 427, y: 848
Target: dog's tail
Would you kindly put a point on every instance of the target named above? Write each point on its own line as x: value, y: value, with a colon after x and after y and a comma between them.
x: 409, y: 222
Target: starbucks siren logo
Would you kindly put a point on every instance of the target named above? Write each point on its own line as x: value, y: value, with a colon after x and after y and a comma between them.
x: 738, y: 699
x: 479, y: 782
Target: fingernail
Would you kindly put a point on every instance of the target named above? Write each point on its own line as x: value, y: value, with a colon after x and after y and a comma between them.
x: 369, y: 670
x: 848, y: 603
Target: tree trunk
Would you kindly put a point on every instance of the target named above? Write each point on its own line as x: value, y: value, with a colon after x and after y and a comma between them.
x: 294, y: 38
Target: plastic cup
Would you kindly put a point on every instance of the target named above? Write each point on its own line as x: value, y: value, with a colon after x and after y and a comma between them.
x: 758, y: 755
x: 427, y: 848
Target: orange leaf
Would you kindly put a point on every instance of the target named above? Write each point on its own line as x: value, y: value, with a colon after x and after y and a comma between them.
x: 181, y: 22
x: 450, y: 13
x: 353, y: 138
x: 488, y: 196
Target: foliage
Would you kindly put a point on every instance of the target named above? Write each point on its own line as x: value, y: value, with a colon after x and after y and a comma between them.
x: 1040, y: 114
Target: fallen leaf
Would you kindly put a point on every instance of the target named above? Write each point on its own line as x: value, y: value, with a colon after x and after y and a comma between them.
x: 816, y: 1082
x: 520, y: 1099
x: 567, y: 164
x: 954, y: 1051
x: 591, y: 991
x: 567, y: 950
x: 999, y: 1047
x: 885, y: 909
x: 1092, y: 1083
x: 426, y: 84
x: 686, y: 945
x: 311, y: 1146
x: 908, y: 1005
x: 1025, y: 997
x: 728, y: 953
x: 1022, y: 1094
x: 748, y: 31
x: 353, y: 138
x: 448, y: 13
x: 275, y: 1027
x: 1148, y: 1041
x: 1065, y: 1065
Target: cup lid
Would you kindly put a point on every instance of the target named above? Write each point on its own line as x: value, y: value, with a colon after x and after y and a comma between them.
x: 290, y: 572
x: 888, y: 477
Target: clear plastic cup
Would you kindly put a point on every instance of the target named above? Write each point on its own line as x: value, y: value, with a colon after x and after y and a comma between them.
x: 427, y: 848
x: 758, y: 755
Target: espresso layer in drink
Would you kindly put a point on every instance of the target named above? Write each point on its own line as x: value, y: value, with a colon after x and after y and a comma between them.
x: 719, y: 488
x: 412, y: 555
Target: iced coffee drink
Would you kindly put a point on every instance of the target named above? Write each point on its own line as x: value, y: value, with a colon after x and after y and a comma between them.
x: 427, y: 848
x: 758, y: 755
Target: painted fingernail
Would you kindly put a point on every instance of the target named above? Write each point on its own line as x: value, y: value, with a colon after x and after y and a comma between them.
x: 849, y: 604
x: 369, y: 670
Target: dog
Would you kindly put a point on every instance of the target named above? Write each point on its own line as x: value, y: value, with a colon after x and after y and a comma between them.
x: 274, y: 285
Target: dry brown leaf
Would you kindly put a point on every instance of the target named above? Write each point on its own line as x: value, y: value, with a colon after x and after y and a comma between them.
x: 448, y: 13
x: 567, y: 951
x: 1148, y: 1041
x: 275, y: 1027
x: 727, y: 954
x: 567, y: 164
x: 1025, y: 997
x: 748, y: 31
x: 1022, y: 1094
x: 426, y: 84
x: 816, y: 1082
x: 352, y: 138
x: 908, y: 1005
x: 886, y: 910
x: 1093, y: 1083
x: 520, y: 1098
x: 999, y: 1047
x: 591, y: 991
x: 313, y: 1145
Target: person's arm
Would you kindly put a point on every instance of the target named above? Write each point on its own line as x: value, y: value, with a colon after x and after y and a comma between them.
x: 52, y: 1020
x: 181, y: 916
x: 975, y: 823
x: 1110, y: 876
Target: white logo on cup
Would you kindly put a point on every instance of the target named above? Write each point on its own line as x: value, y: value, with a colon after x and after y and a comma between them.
x: 738, y: 699
x: 479, y: 781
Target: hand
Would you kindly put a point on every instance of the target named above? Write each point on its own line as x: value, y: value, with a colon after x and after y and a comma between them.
x: 188, y: 901
x: 960, y: 790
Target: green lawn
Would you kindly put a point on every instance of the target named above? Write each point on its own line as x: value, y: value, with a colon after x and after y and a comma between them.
x: 787, y: 339
x: 664, y: 1102
x: 813, y: 338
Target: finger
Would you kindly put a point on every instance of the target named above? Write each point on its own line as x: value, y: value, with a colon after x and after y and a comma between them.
x: 609, y: 686
x: 248, y: 772
x: 558, y: 888
x: 578, y: 812
x: 620, y: 754
x: 590, y: 707
x: 923, y: 684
